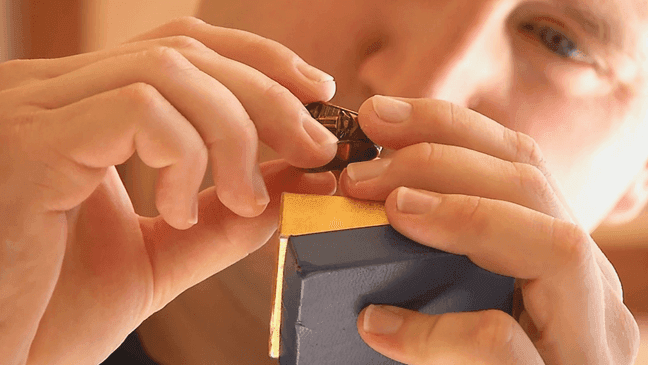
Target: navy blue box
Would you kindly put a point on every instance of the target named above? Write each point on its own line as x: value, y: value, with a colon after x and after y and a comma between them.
x: 330, y: 277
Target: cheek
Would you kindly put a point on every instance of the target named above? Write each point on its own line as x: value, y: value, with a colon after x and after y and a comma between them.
x: 586, y: 147
x: 577, y: 82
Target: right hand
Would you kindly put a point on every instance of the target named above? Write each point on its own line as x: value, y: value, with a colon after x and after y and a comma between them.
x: 79, y: 270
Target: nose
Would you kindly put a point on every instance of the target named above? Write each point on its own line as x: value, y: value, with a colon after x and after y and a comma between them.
x: 450, y: 50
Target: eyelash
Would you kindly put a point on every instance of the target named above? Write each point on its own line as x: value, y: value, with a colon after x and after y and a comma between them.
x: 555, y: 41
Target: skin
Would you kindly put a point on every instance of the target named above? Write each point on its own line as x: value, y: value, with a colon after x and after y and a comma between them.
x: 520, y: 84
x: 538, y: 147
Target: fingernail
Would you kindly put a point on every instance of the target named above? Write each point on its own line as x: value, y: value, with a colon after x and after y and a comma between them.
x: 317, y: 132
x: 411, y: 201
x: 313, y: 73
x: 260, y: 190
x: 361, y: 171
x: 381, y: 321
x: 194, y: 211
x: 391, y: 110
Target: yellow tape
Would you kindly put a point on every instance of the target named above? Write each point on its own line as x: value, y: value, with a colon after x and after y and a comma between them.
x: 306, y: 214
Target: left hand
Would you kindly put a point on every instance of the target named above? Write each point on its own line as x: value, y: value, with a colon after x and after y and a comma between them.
x: 478, y: 189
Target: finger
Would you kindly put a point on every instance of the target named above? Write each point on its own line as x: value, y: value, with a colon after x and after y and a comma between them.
x: 93, y: 134
x: 271, y: 58
x: 488, y: 232
x: 281, y: 119
x: 409, y: 121
x: 279, y: 116
x: 103, y: 283
x: 449, y: 169
x: 440, y: 122
x: 491, y: 337
x: 275, y: 110
x: 213, y: 110
x: 561, y: 289
x: 221, y: 238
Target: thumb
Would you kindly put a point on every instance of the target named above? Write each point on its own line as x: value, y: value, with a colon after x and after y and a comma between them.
x: 181, y: 259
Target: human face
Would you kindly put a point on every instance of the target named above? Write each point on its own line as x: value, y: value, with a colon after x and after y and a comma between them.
x: 569, y: 73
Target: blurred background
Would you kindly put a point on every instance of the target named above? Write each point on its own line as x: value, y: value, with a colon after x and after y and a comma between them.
x: 57, y: 28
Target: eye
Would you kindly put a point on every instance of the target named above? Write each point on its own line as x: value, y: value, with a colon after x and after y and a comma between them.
x: 555, y: 41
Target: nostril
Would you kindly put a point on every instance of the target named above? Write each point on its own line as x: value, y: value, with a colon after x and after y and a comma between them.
x: 370, y: 43
x: 373, y: 47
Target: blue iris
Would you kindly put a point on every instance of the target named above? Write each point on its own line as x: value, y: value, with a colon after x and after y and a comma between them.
x: 553, y: 40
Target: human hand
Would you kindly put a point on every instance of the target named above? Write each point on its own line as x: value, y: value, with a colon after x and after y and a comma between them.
x: 79, y: 270
x: 462, y: 183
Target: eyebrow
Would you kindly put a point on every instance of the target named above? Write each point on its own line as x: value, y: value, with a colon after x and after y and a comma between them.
x: 593, y: 24
x: 598, y: 26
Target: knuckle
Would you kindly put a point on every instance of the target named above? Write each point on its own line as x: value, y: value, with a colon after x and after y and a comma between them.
x: 17, y: 128
x: 14, y: 72
x: 456, y: 116
x: 621, y: 324
x: 184, y: 23
x: 432, y: 153
x: 201, y: 156
x: 464, y: 216
x: 421, y: 349
x: 470, y: 215
x: 570, y: 243
x: 185, y: 42
x: 527, y: 149
x: 493, y: 332
x: 276, y: 92
x: 531, y: 179
x: 288, y: 107
x: 13, y: 66
x: 140, y: 96
x: 168, y: 59
x: 243, y: 135
x: 21, y: 136
x: 195, y: 151
x: 248, y: 133
x: 10, y: 67
x: 260, y: 45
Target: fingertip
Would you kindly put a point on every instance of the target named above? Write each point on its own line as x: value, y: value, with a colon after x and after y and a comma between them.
x: 324, y: 141
x: 360, y: 320
x: 323, y: 183
x: 366, y: 106
x: 329, y: 89
x: 314, y: 74
x: 175, y: 220
x: 175, y: 210
x: 193, y: 218
x: 241, y: 204
x: 261, y: 195
x: 315, y: 85
x: 390, y: 201
x: 381, y: 327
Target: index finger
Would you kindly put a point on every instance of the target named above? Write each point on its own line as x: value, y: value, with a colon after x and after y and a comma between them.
x: 438, y: 121
x: 272, y: 58
x: 399, y: 122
